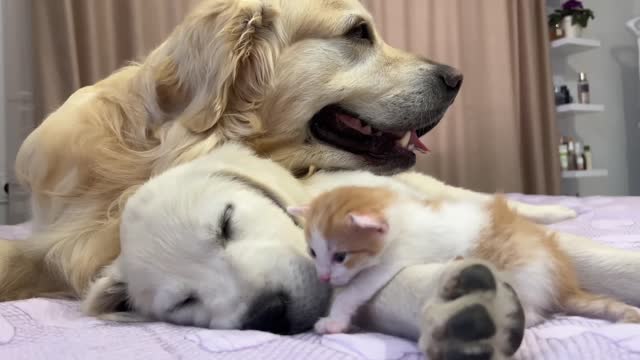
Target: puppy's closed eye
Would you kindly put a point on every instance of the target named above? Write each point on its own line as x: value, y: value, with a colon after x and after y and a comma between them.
x: 225, y: 230
x: 189, y: 300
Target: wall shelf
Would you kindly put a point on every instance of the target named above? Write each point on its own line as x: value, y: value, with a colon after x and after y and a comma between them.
x: 568, y: 46
x: 585, y: 173
x: 579, y: 108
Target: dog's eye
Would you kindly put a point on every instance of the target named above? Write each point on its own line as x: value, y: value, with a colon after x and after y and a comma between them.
x: 313, y: 253
x: 360, y: 32
x: 189, y: 300
x: 225, y: 223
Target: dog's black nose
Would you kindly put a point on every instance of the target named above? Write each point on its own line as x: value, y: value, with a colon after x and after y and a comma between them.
x: 268, y: 312
x: 451, y: 77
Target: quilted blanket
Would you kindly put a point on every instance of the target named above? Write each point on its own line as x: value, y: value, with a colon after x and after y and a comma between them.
x: 56, y: 330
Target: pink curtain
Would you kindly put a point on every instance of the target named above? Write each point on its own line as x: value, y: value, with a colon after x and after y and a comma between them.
x: 78, y: 42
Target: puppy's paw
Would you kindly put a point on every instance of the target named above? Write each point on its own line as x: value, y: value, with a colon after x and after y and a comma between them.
x: 475, y: 316
x: 329, y: 325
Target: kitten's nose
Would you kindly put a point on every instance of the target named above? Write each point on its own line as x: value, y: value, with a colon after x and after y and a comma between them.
x: 324, y: 278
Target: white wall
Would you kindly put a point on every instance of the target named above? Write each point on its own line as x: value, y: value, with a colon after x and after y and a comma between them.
x: 17, y: 99
x: 612, y: 70
x: 3, y: 121
x: 632, y: 104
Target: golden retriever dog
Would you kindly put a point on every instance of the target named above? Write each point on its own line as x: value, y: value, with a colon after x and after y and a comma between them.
x: 308, y: 83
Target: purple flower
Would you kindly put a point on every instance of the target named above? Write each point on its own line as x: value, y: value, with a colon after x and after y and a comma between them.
x: 572, y: 4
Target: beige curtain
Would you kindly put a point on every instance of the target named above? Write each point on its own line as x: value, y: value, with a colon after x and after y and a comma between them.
x: 500, y: 134
x: 78, y: 42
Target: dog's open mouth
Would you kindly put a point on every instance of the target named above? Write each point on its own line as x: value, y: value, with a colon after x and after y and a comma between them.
x: 345, y: 130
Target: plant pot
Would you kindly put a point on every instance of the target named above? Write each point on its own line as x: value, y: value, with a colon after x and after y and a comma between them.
x: 571, y: 30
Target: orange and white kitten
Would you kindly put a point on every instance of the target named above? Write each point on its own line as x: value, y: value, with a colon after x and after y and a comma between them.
x: 361, y: 237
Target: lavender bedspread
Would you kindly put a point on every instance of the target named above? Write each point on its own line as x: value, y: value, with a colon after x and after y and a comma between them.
x: 56, y: 330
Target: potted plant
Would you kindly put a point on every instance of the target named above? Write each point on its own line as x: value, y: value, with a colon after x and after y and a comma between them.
x: 572, y: 16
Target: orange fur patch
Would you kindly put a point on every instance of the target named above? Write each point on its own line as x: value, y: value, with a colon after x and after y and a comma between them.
x: 510, y: 239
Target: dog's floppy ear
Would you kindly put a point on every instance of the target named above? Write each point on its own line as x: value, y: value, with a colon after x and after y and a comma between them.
x: 107, y: 298
x: 220, y: 61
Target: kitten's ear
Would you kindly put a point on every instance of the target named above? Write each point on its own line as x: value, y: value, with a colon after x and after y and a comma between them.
x: 300, y: 211
x: 369, y: 222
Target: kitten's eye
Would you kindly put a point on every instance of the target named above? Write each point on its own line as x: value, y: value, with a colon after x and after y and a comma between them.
x: 190, y: 300
x: 360, y: 32
x: 225, y: 223
x: 339, y: 257
x: 313, y: 253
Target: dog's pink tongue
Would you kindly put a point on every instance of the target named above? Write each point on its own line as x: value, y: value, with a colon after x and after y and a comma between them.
x: 354, y: 123
x: 419, y: 146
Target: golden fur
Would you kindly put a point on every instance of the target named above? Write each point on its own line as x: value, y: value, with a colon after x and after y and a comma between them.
x: 254, y: 71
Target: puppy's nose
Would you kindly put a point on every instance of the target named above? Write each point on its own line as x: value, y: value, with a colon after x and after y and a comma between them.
x: 268, y: 312
x: 451, y: 77
x: 324, y: 278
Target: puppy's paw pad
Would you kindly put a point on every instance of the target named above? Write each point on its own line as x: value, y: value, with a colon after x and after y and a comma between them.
x: 470, y: 324
x: 475, y: 277
x: 461, y: 351
x: 331, y: 326
x: 476, y: 316
x: 475, y: 352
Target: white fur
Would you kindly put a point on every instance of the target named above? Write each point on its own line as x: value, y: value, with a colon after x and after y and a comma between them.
x: 535, y: 287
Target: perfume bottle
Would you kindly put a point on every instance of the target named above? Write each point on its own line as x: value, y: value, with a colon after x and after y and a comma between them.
x: 583, y: 89
x: 564, y: 157
x: 588, y: 160
x: 579, y: 156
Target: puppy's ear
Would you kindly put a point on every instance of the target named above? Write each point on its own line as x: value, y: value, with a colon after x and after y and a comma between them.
x: 107, y: 298
x: 221, y: 59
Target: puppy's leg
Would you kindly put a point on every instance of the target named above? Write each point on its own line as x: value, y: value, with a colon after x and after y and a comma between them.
x: 80, y: 252
x: 544, y: 214
x: 458, y: 310
x: 60, y: 261
x: 22, y: 272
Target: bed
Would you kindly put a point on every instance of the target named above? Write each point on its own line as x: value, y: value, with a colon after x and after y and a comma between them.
x: 54, y: 329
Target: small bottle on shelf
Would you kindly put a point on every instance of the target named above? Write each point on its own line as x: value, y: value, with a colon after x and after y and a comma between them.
x: 583, y: 89
x: 564, y: 157
x: 571, y: 154
x: 579, y: 156
x: 588, y: 160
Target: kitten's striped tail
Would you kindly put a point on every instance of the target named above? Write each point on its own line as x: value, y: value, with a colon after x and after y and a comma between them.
x: 583, y: 303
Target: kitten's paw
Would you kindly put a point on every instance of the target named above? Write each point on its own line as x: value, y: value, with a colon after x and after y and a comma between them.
x: 475, y: 316
x: 327, y: 325
x: 544, y: 214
